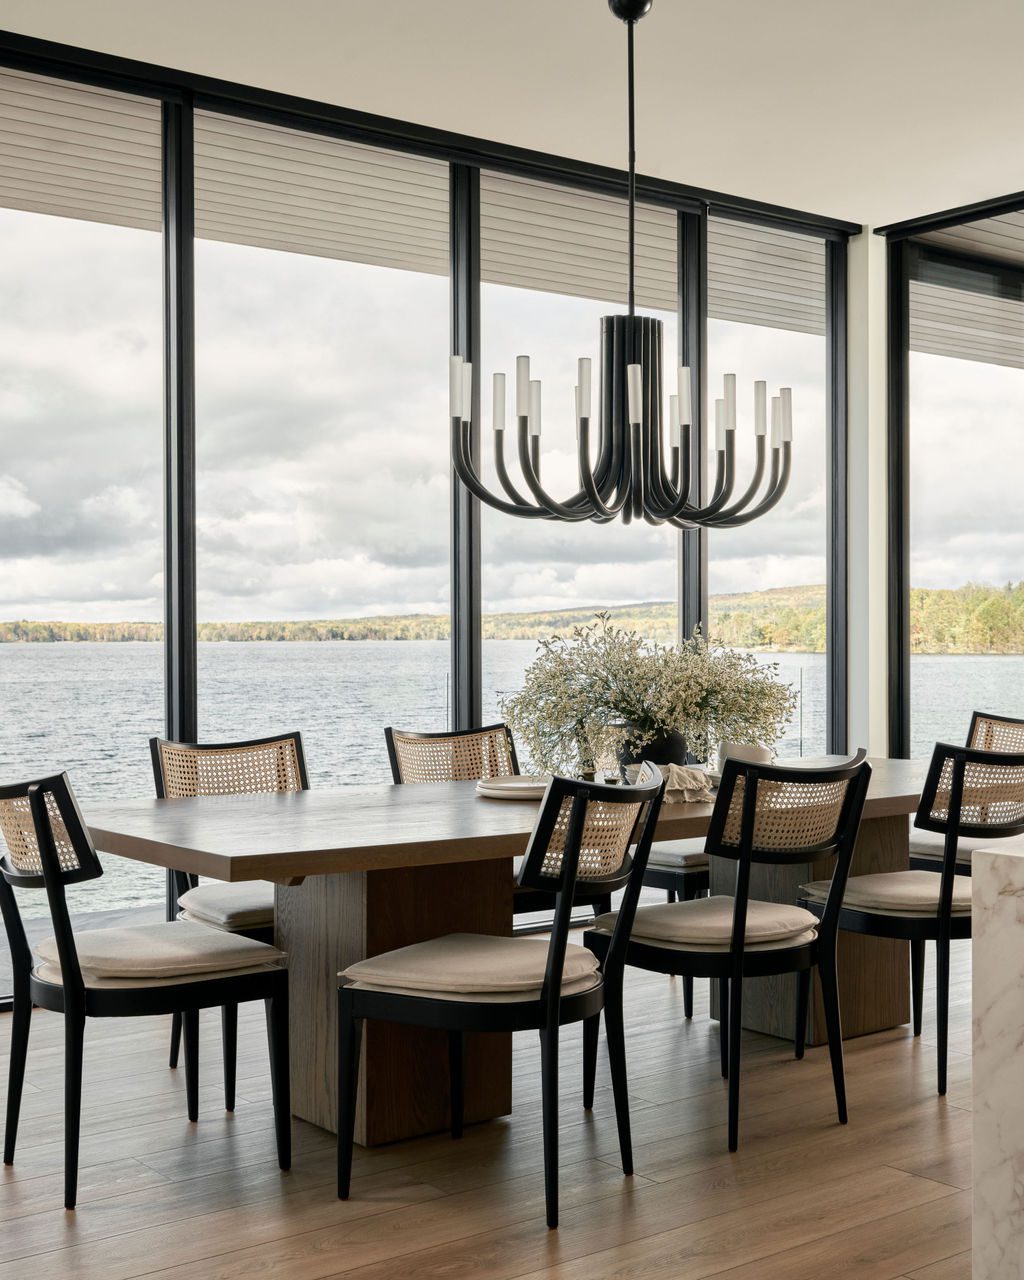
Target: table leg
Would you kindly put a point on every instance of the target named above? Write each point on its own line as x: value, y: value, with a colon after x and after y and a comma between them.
x: 874, y: 973
x: 329, y: 922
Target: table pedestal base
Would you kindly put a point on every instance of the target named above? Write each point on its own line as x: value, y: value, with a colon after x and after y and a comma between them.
x: 331, y: 921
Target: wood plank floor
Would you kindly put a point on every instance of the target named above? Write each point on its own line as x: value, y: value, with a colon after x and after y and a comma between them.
x: 886, y: 1197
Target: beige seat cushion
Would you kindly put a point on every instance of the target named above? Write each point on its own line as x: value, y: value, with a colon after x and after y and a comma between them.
x: 678, y: 854
x: 471, y: 963
x: 482, y: 997
x: 51, y: 973
x: 931, y: 844
x: 705, y: 924
x: 231, y: 906
x: 897, y: 892
x: 175, y: 949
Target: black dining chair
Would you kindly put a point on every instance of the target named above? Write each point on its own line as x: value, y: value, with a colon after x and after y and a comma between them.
x: 977, y: 794
x: 764, y: 815
x: 471, y: 755
x: 134, y: 971
x: 478, y: 983
x: 682, y: 870
x: 187, y: 769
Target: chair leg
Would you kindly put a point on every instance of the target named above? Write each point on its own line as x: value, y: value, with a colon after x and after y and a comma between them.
x: 602, y: 906
x: 549, y: 1107
x: 175, y: 1040
x: 942, y: 1006
x: 670, y: 895
x: 229, y: 1039
x: 280, y: 1073
x: 616, y: 1036
x: 74, y: 1044
x: 735, y: 1039
x: 687, y: 996
x: 591, y: 1032
x: 21, y: 1022
x: 803, y: 1000
x: 917, y: 981
x: 190, y: 1035
x: 456, y: 1079
x: 834, y: 1030
x: 723, y: 1024
x: 350, y: 1032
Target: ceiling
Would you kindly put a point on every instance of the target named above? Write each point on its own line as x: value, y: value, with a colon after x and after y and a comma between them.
x: 873, y: 112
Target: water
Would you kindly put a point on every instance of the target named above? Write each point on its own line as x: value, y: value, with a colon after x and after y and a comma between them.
x: 91, y: 708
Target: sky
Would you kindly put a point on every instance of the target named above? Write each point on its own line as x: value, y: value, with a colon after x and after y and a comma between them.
x: 322, y: 437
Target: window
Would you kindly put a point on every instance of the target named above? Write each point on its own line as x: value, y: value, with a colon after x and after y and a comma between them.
x: 322, y: 442
x: 767, y: 580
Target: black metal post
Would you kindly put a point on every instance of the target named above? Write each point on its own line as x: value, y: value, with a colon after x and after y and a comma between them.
x: 837, y: 514
x: 898, y: 420
x: 465, y: 509
x: 692, y: 261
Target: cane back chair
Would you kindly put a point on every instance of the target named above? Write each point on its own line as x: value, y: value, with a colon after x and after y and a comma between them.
x: 136, y: 971
x: 470, y: 755
x: 977, y: 794
x: 463, y: 983
x: 187, y: 769
x: 763, y: 815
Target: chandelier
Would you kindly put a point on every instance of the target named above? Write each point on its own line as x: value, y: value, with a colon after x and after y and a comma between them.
x: 633, y: 476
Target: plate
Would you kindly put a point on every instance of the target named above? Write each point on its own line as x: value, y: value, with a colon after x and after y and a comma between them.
x: 527, y: 786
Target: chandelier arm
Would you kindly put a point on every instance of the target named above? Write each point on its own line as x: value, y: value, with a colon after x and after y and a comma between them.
x: 780, y: 481
x: 558, y: 509
x: 502, y: 471
x: 464, y: 470
x: 737, y: 508
x: 725, y: 479
x: 590, y: 487
x: 636, y: 467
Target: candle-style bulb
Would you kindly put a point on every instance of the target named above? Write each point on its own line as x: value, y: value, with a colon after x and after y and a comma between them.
x: 634, y: 394
x: 720, y: 428
x: 673, y: 421
x: 730, y: 402
x: 522, y: 386
x: 534, y: 407
x: 760, y: 408
x: 583, y: 410
x: 455, y: 386
x: 498, y: 403
x: 776, y: 422
x: 786, y: 396
x: 685, y: 410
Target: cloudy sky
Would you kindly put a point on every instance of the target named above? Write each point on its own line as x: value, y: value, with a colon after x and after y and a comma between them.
x: 322, y: 439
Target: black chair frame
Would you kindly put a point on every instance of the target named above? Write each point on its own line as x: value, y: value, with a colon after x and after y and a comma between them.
x: 77, y: 1002
x: 546, y: 1014
x: 731, y: 967
x: 179, y: 883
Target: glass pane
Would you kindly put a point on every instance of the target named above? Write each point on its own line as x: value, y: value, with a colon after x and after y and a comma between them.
x: 323, y: 484
x: 767, y: 579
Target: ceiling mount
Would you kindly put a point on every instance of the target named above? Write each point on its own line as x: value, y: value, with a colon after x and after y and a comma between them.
x: 630, y: 10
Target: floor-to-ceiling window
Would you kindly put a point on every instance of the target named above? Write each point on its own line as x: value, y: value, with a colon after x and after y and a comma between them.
x: 767, y: 580
x: 966, y: 532
x: 552, y: 263
x: 322, y: 442
x: 81, y: 412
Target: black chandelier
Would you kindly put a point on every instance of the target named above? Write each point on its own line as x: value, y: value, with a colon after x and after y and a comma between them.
x: 629, y: 478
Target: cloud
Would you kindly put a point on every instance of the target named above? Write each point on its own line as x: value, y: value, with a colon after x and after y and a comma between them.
x: 15, y: 503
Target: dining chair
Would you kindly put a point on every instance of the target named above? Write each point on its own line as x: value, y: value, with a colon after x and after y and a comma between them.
x: 469, y: 755
x: 478, y: 983
x: 133, y: 971
x: 187, y: 769
x: 977, y: 794
x: 682, y: 870
x: 988, y: 732
x: 764, y: 815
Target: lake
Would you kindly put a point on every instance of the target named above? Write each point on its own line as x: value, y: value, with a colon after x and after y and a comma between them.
x: 90, y: 708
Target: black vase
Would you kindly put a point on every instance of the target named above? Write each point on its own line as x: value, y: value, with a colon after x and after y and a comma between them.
x: 668, y: 747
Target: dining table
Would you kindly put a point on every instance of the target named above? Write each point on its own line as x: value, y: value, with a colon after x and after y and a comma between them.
x: 359, y: 870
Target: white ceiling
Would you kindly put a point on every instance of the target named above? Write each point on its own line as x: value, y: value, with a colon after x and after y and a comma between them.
x: 874, y: 111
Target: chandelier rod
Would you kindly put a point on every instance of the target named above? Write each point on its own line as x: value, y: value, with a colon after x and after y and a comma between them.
x: 631, y: 91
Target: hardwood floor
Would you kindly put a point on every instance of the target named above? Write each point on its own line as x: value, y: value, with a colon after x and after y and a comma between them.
x: 886, y: 1198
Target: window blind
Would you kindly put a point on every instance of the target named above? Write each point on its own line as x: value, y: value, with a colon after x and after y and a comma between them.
x: 764, y: 276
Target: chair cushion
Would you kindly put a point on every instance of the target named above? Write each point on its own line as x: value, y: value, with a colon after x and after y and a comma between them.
x: 678, y: 853
x: 932, y: 844
x: 51, y: 973
x: 706, y: 923
x: 174, y: 949
x: 483, y: 997
x: 470, y: 963
x: 896, y: 892
x: 231, y: 906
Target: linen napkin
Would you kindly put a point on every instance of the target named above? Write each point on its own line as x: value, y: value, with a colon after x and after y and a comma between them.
x: 683, y: 783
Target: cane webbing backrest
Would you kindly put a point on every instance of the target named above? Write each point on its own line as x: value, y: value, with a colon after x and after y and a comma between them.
x: 19, y: 832
x: 458, y: 757
x: 994, y: 733
x: 790, y: 814
x: 242, y: 769
x: 993, y: 792
x: 605, y: 843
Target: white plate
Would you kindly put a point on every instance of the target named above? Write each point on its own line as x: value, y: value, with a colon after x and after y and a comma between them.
x: 524, y: 787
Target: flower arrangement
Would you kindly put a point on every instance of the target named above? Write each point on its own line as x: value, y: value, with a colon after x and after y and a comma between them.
x: 590, y: 696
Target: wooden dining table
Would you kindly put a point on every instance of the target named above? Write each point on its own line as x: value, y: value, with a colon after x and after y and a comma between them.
x: 365, y: 869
